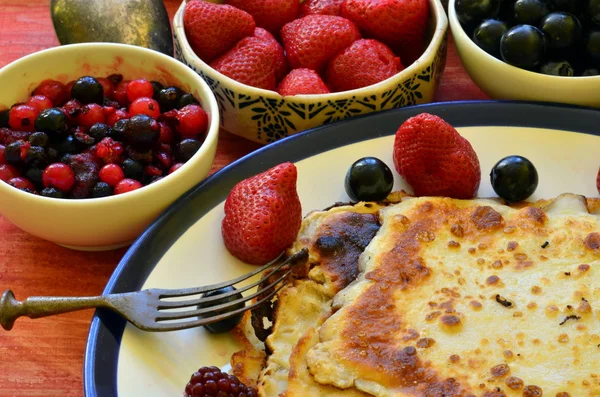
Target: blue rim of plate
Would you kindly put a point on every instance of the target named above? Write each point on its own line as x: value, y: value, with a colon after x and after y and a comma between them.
x: 106, y: 330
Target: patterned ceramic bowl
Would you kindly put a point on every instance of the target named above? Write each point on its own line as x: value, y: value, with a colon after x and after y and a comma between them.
x: 265, y: 116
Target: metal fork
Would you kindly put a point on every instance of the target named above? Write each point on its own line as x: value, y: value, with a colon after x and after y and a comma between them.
x: 149, y: 311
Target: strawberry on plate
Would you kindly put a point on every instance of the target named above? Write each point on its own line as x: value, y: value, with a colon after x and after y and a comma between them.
x: 400, y: 24
x: 434, y: 159
x: 364, y: 63
x: 323, y: 7
x: 262, y: 215
x: 269, y: 14
x: 302, y: 82
x: 213, y: 29
x: 253, y: 61
x: 310, y: 42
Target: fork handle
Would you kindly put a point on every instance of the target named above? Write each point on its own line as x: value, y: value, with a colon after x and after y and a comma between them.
x: 36, y: 307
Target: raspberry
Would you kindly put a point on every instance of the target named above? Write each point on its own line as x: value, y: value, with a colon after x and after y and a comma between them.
x: 86, y: 170
x: 111, y: 174
x: 138, y: 89
x: 119, y: 114
x: 145, y: 105
x: 107, y: 85
x: 53, y: 90
x: 8, y: 136
x: 120, y: 94
x: 175, y: 167
x: 127, y: 185
x: 22, y: 184
x: 39, y: 102
x: 91, y: 114
x: 8, y: 172
x: 192, y: 121
x: 109, y: 151
x: 211, y: 381
x: 22, y: 118
x: 59, y: 176
x: 72, y: 109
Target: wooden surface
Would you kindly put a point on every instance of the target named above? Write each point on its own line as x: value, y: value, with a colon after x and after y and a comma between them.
x: 44, y: 357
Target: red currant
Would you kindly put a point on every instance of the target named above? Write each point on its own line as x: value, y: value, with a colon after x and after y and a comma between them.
x: 164, y: 159
x: 107, y: 85
x: 145, y: 105
x: 22, y: 118
x: 2, y: 158
x: 193, y: 121
x: 39, y: 102
x: 111, y: 174
x: 21, y: 183
x: 127, y: 185
x: 175, y: 167
x: 91, y: 114
x: 120, y: 94
x: 151, y: 170
x: 110, y: 151
x: 59, y: 176
x: 53, y: 90
x: 24, y: 148
x: 166, y: 133
x: 139, y: 88
x: 68, y: 87
x: 117, y: 115
x: 8, y: 172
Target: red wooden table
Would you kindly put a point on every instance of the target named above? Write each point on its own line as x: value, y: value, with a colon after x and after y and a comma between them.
x: 44, y: 357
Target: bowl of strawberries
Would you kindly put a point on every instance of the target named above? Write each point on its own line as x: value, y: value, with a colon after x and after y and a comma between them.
x: 285, y: 66
x: 97, y: 139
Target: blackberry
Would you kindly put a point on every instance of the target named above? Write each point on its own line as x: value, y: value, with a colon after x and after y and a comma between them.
x: 211, y: 381
x: 99, y: 131
x: 117, y: 132
x: 36, y: 156
x: 38, y: 139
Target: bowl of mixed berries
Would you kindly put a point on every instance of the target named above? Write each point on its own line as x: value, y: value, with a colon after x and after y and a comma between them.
x: 97, y: 139
x: 543, y: 50
x: 278, y: 67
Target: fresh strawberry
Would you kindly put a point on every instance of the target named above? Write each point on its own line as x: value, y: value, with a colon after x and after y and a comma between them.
x: 281, y: 66
x: 323, y: 7
x: 262, y: 215
x: 434, y: 159
x: 213, y: 29
x: 302, y: 81
x: 269, y: 14
x: 598, y: 181
x: 364, y: 63
x: 400, y: 24
x: 310, y: 42
x: 252, y: 61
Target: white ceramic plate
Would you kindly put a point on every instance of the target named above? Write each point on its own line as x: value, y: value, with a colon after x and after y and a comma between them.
x: 183, y: 248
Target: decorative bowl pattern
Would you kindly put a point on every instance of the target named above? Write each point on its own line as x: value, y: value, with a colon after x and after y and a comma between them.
x: 265, y: 116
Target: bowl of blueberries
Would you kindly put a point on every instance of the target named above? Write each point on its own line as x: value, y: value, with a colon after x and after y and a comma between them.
x: 97, y: 139
x: 537, y: 50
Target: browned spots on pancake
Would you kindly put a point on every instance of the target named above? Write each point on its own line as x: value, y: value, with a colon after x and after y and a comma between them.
x: 537, y: 216
x: 512, y: 245
x: 425, y: 343
x: 514, y: 383
x: 500, y: 370
x: 592, y: 242
x: 487, y: 218
x: 342, y: 239
x: 563, y: 394
x: 532, y: 391
x: 494, y: 393
x: 457, y: 230
x: 450, y: 320
x: 492, y: 280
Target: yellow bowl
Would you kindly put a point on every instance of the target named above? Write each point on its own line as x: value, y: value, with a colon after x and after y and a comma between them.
x: 108, y: 222
x: 503, y: 81
x: 265, y: 116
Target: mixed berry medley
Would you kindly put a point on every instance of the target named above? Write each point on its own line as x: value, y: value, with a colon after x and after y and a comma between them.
x: 98, y: 136
x: 555, y: 37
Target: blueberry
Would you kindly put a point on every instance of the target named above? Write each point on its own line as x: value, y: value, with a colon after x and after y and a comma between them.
x: 52, y: 192
x: 557, y: 68
x: 593, y: 11
x: 66, y: 145
x: 117, y: 132
x: 514, y: 178
x: 87, y: 90
x: 36, y: 156
x: 38, y: 139
x: 99, y: 131
x: 133, y: 169
x: 4, y: 118
x: 229, y: 323
x: 523, y: 46
x: 529, y: 12
x: 34, y: 174
x: 142, y: 131
x: 368, y: 179
x: 12, y: 152
x: 168, y: 98
x: 101, y: 189
x: 562, y: 32
x: 487, y: 36
x: 185, y: 149
x: 592, y: 46
x: 51, y: 121
x: 187, y: 99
